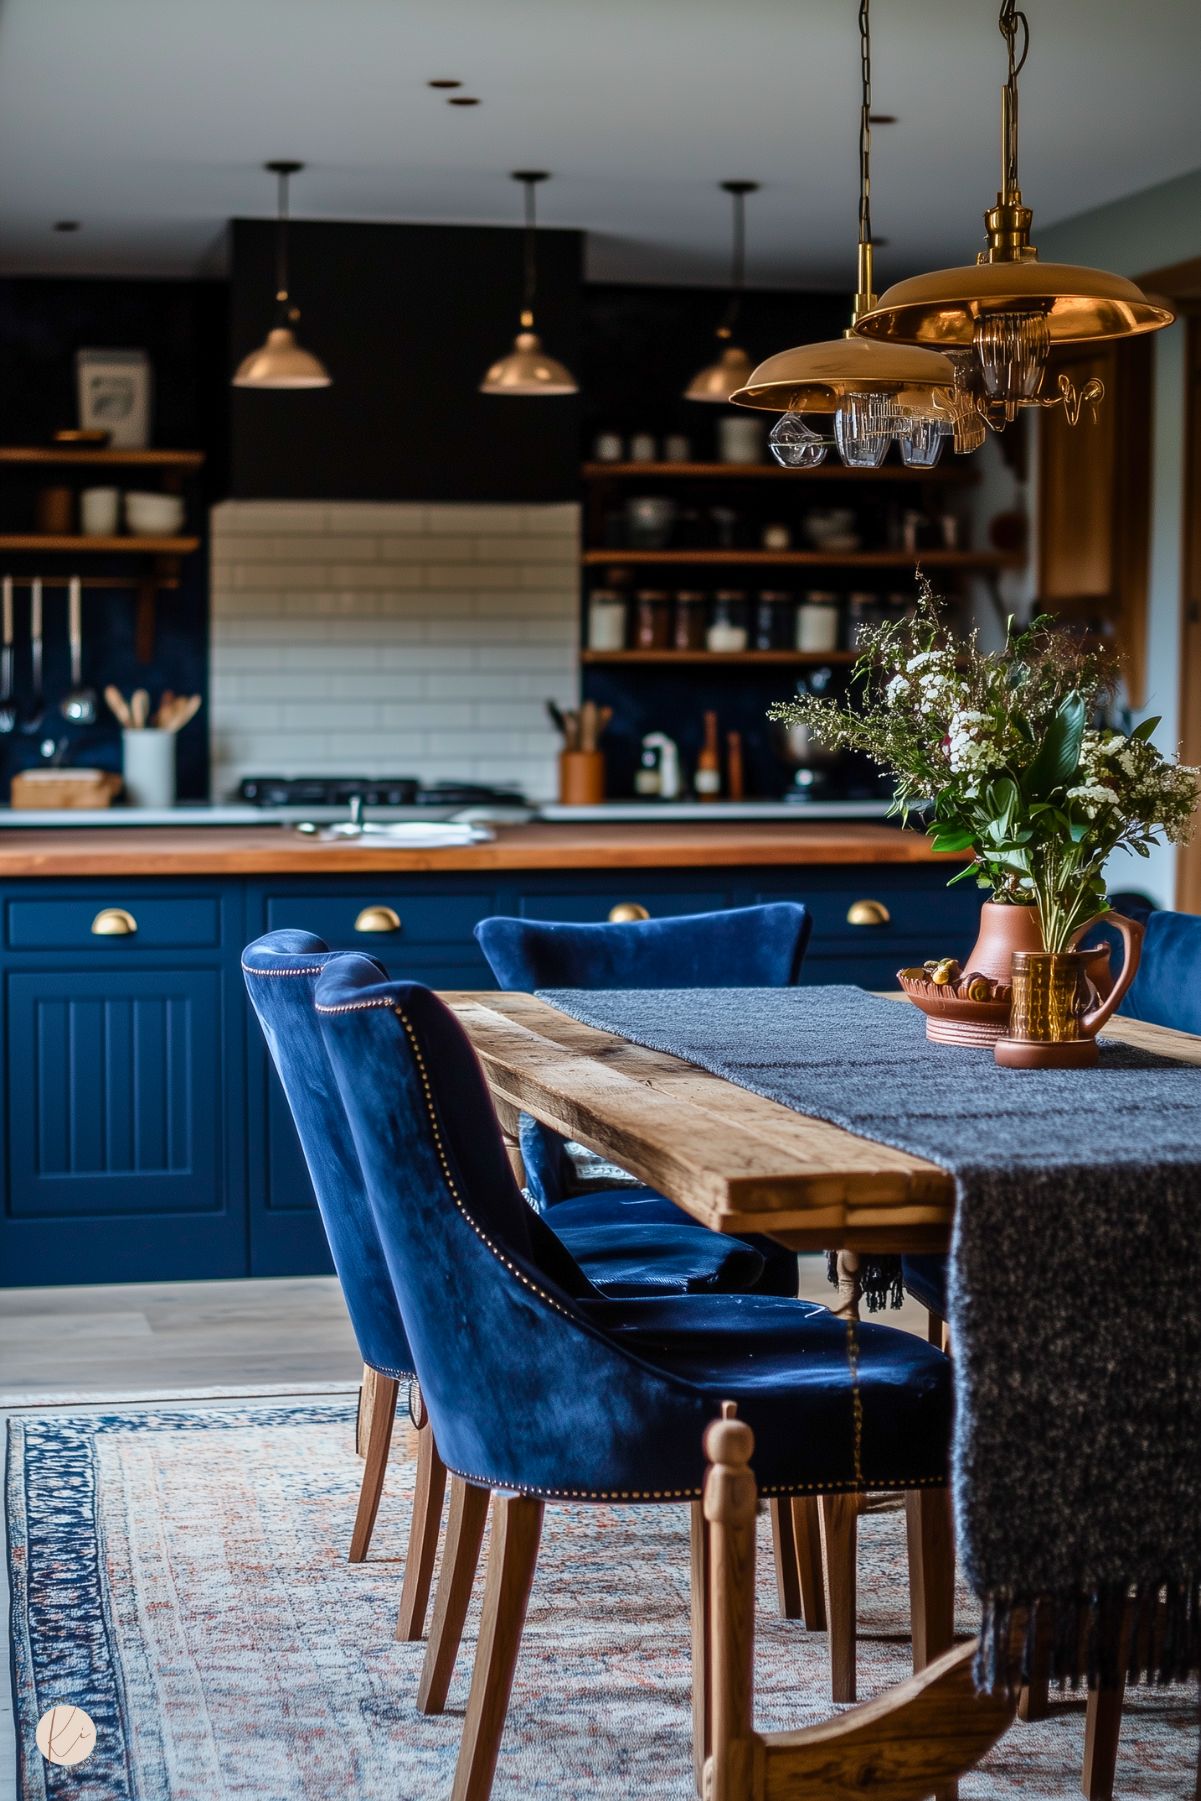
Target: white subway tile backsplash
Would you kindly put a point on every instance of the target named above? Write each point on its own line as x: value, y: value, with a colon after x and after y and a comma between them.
x: 391, y: 637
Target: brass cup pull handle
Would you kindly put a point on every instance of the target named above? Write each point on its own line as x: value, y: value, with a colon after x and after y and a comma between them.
x: 114, y: 922
x: 868, y: 913
x: 378, y: 919
x: 625, y: 912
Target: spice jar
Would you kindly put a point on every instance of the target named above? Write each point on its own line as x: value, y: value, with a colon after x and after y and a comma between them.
x: 688, y: 629
x: 652, y: 619
x: 606, y: 620
x: 727, y: 621
x: 817, y: 622
x: 770, y: 624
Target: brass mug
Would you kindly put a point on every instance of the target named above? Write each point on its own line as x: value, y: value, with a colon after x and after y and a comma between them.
x: 1056, y: 1010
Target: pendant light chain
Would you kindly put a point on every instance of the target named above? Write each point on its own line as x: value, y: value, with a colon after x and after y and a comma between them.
x: 530, y: 252
x: 281, y: 240
x: 1014, y: 28
x: 865, y: 125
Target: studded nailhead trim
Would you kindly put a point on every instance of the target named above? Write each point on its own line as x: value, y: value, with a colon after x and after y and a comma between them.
x: 856, y: 1485
x: 315, y: 970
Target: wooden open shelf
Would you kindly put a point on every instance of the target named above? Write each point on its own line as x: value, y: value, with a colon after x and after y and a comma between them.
x: 814, y: 559
x: 77, y: 545
x: 825, y: 472
x: 721, y: 658
x: 89, y: 456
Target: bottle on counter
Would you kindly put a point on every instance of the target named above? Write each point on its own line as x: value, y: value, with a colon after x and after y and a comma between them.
x: 646, y: 776
x: 735, y: 777
x: 606, y: 620
x: 707, y: 777
x: 727, y: 631
x: 817, y: 622
x: 669, y: 763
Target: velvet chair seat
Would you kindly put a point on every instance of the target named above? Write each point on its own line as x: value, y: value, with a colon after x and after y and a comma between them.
x: 647, y: 1257
x: 741, y: 947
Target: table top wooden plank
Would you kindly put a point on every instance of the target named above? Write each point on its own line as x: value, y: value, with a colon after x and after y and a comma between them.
x: 734, y: 1160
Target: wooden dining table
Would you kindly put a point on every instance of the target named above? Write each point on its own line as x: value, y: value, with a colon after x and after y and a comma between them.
x: 740, y: 1164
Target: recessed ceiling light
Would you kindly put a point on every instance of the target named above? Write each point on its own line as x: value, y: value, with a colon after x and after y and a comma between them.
x: 881, y: 118
x: 462, y: 100
x: 65, y: 225
x: 444, y: 84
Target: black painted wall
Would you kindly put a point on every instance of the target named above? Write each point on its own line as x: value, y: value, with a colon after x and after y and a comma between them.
x: 406, y: 318
x: 183, y: 325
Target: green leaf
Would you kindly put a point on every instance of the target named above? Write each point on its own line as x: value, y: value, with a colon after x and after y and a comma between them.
x: 949, y: 841
x: 1147, y: 728
x: 1058, y: 756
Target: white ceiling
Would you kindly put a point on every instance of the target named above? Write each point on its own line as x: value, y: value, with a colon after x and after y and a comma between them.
x: 147, y: 120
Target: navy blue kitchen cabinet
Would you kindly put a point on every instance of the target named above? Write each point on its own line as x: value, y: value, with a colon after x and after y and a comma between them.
x: 124, y: 1074
x: 145, y: 1134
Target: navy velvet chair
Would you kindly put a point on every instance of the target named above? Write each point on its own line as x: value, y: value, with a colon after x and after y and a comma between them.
x: 625, y: 1257
x: 541, y: 1389
x: 742, y: 947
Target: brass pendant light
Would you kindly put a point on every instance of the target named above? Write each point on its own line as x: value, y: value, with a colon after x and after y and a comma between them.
x: 280, y: 362
x: 1008, y: 309
x: 527, y: 369
x: 849, y: 391
x: 731, y: 370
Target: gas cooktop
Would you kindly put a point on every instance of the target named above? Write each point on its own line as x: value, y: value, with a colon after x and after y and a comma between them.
x: 373, y: 790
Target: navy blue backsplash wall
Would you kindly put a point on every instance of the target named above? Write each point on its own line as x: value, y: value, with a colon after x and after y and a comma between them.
x: 182, y: 325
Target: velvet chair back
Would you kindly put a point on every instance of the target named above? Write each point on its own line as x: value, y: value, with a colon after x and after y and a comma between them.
x: 1167, y: 988
x: 281, y: 972
x: 742, y: 947
x: 522, y: 1392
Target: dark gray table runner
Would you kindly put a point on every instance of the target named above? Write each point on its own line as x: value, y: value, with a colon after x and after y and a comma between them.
x: 1075, y: 1289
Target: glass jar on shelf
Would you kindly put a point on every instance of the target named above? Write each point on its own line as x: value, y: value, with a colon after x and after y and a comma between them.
x: 688, y: 626
x: 606, y: 620
x: 652, y: 619
x: 727, y: 631
x: 771, y: 620
x: 817, y: 622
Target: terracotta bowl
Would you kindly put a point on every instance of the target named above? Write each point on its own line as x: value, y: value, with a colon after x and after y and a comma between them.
x: 952, y: 1016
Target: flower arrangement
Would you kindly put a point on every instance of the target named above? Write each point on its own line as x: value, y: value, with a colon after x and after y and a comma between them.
x: 998, y: 753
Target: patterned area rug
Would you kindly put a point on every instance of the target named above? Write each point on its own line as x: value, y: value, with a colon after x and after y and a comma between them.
x: 180, y: 1573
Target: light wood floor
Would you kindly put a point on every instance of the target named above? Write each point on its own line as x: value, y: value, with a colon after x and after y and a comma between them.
x: 165, y: 1337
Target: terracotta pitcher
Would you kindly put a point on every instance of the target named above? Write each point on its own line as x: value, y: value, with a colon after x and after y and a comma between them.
x: 1057, y: 1011
x: 1006, y: 927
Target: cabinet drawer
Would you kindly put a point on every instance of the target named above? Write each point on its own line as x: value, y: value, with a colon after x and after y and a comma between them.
x: 364, y: 921
x: 937, y: 920
x: 133, y: 922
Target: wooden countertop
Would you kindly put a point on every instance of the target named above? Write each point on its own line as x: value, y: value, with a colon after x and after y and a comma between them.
x: 274, y: 850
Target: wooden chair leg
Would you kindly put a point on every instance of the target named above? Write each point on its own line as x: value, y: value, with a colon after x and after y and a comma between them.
x: 839, y: 1516
x: 806, y: 1531
x: 1102, y: 1729
x: 701, y: 1658
x: 362, y: 1425
x: 512, y: 1556
x: 931, y: 1539
x: 428, y: 1491
x: 460, y: 1559
x: 379, y: 1437
x: 788, y: 1575
x: 1034, y: 1701
x: 729, y: 1510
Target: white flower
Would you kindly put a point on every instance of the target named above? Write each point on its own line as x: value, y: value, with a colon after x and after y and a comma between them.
x: 1093, y: 796
x: 896, y: 687
x: 922, y: 658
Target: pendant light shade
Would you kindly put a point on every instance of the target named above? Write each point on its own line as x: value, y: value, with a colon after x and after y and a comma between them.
x: 849, y: 392
x: 720, y: 380
x: 527, y: 369
x: 280, y: 362
x: 1007, y: 308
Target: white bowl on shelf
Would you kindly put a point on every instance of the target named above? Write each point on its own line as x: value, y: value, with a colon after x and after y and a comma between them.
x: 154, y: 515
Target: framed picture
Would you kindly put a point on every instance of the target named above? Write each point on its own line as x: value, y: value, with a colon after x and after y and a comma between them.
x: 114, y: 395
